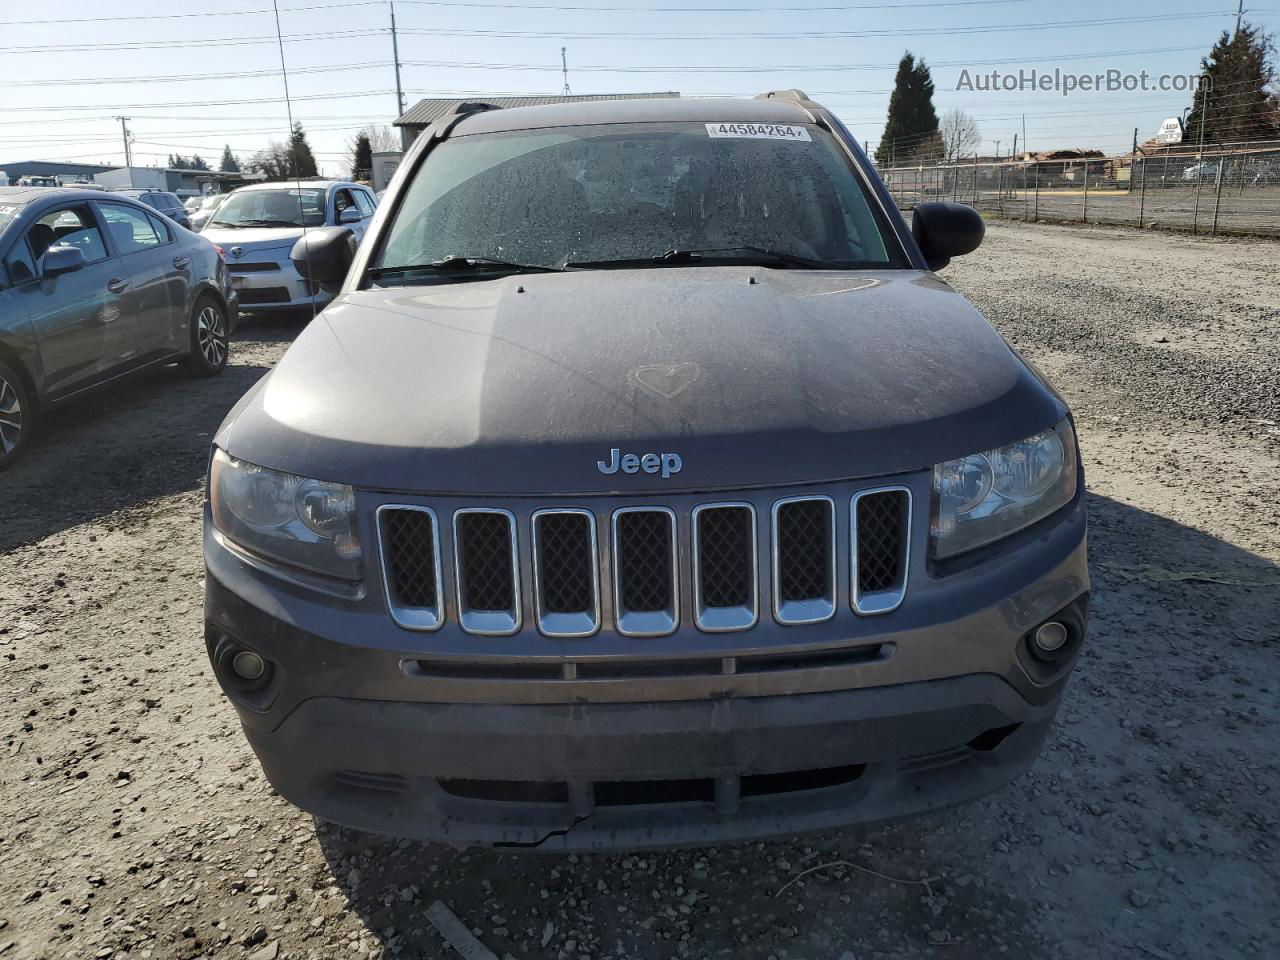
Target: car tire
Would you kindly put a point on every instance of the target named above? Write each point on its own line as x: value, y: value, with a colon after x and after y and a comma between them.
x: 17, y: 415
x: 209, y: 344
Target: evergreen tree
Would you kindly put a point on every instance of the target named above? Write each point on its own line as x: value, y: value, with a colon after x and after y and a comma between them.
x: 197, y: 163
x: 302, y: 162
x: 1233, y: 102
x: 229, y: 163
x: 911, y: 129
x: 361, y: 157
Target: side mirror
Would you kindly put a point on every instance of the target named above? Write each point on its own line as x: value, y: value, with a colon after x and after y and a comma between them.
x: 946, y: 230
x: 62, y: 259
x: 350, y: 215
x: 324, y: 255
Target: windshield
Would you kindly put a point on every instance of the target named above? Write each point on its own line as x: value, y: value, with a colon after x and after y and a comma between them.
x: 636, y: 191
x: 272, y: 208
x: 8, y: 212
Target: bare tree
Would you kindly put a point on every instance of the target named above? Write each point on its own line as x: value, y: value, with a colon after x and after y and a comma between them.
x: 382, y: 138
x: 960, y: 135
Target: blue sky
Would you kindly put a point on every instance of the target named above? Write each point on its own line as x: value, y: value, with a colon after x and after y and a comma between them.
x: 59, y: 101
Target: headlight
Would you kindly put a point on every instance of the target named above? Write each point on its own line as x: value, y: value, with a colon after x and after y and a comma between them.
x: 307, y: 523
x: 989, y: 495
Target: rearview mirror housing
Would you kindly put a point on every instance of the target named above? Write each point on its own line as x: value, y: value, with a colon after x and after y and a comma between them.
x: 62, y: 259
x: 324, y: 255
x: 350, y: 215
x: 945, y: 230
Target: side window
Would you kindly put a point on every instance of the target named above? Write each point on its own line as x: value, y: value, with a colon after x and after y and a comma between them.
x: 130, y: 229
x: 19, y: 264
x: 342, y: 201
x: 68, y: 227
x: 162, y: 231
x: 365, y: 203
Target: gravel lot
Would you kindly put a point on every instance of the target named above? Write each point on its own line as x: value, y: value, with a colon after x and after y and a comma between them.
x: 134, y: 820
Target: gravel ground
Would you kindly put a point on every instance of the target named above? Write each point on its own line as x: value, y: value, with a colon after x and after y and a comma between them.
x: 136, y: 823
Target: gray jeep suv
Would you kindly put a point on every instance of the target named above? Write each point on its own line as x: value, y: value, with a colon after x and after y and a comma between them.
x: 643, y: 486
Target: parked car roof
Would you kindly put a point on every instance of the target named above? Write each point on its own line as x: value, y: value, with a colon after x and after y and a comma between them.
x: 666, y: 109
x: 25, y: 195
x: 295, y: 184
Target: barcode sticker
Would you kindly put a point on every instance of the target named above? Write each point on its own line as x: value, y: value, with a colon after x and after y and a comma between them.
x: 759, y: 131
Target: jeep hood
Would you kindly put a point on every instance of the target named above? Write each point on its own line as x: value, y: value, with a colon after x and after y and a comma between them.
x: 752, y: 376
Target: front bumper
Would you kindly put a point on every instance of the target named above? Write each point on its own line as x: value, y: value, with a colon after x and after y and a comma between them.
x: 880, y: 718
x: 274, y: 290
x: 635, y: 775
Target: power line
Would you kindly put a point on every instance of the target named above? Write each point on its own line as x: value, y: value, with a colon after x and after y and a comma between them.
x: 822, y: 34
x: 206, y: 103
x: 595, y: 8
x: 180, y: 44
x: 627, y: 35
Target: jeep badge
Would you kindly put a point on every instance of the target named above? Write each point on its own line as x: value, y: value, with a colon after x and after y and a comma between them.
x: 667, y: 463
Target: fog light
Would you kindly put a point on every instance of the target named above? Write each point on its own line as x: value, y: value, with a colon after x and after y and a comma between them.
x: 1050, y: 637
x: 249, y: 666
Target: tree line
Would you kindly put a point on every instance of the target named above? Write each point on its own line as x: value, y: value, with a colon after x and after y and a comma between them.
x: 1237, y: 101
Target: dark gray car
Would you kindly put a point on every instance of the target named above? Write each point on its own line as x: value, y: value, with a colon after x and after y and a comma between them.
x: 167, y: 203
x: 643, y: 486
x: 94, y: 286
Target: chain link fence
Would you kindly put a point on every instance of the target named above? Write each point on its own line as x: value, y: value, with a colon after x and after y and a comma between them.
x: 1230, y: 191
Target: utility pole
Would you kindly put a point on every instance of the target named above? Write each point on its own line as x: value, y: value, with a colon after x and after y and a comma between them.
x: 1239, y: 13
x: 128, y: 154
x: 395, y: 56
x: 1013, y: 152
x: 1024, y: 133
x: 564, y: 69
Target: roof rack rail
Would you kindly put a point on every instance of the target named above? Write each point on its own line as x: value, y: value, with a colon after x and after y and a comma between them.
x: 792, y: 94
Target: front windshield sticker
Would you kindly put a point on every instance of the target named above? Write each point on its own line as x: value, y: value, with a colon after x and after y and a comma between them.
x: 759, y: 131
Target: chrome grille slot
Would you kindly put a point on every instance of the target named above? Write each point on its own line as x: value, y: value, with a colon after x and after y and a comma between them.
x: 804, y: 553
x: 879, y: 521
x: 724, y: 566
x: 566, y: 567
x: 486, y: 566
x: 644, y: 571
x: 410, y: 544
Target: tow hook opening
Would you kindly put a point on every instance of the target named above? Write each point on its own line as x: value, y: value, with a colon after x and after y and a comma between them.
x: 988, y: 740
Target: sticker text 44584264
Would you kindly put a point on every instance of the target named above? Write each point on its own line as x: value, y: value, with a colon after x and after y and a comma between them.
x: 760, y: 131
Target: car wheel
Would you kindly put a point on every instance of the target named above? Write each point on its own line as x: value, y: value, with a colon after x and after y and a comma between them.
x: 209, y: 347
x: 17, y: 416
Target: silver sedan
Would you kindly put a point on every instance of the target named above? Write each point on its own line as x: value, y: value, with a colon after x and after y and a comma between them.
x: 95, y: 286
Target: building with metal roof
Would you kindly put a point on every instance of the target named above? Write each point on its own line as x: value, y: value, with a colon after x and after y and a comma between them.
x: 425, y: 112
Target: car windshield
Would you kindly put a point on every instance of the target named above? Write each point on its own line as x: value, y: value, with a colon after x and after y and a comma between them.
x: 272, y: 208
x: 8, y: 211
x: 633, y: 192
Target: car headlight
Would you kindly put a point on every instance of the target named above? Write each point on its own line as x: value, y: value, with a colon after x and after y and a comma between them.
x: 304, y: 522
x: 985, y: 496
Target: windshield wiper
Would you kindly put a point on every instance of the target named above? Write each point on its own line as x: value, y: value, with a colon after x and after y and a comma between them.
x: 681, y: 256
x: 259, y: 223
x: 454, y: 263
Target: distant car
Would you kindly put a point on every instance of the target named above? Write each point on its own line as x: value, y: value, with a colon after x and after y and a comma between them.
x: 167, y: 203
x: 259, y: 224
x: 201, y: 214
x: 192, y: 204
x: 1206, y: 170
x: 94, y: 286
